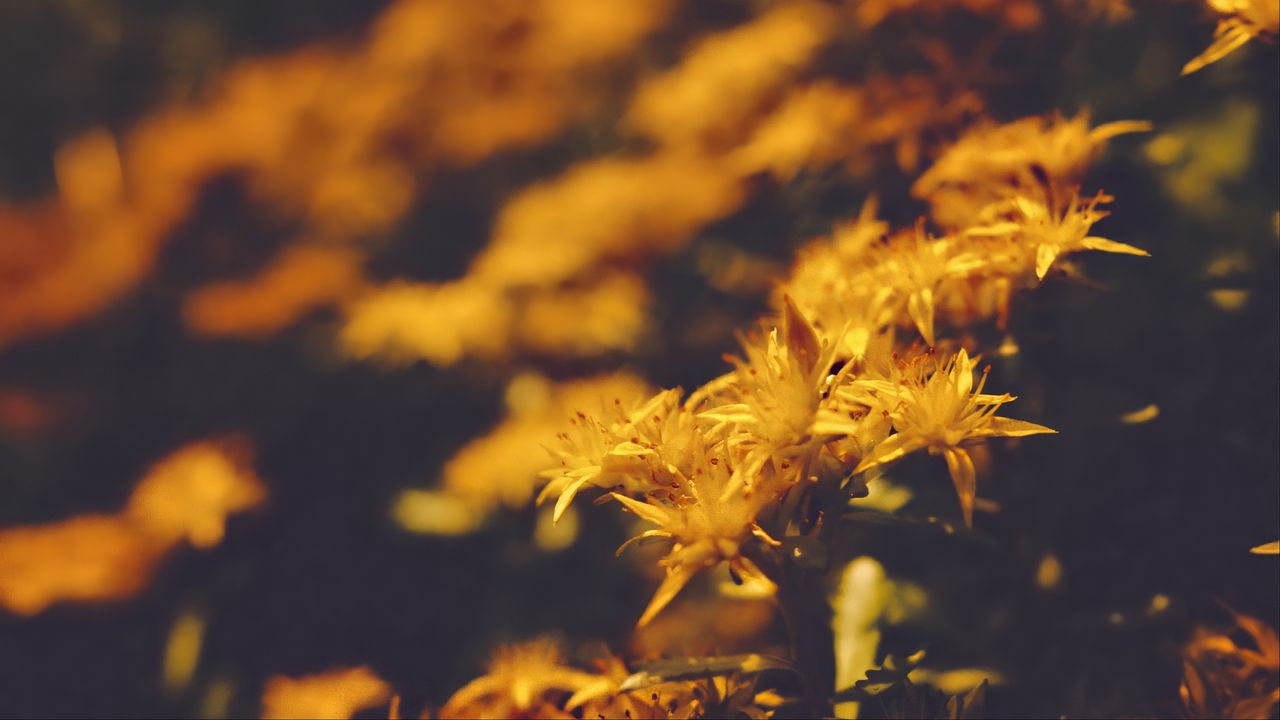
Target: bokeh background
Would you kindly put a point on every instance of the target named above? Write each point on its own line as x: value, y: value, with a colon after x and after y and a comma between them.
x: 322, y: 574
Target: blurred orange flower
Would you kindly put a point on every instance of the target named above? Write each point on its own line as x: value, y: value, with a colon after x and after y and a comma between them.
x: 336, y: 695
x: 92, y: 558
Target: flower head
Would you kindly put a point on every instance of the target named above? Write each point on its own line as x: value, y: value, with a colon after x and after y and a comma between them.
x: 773, y: 399
x: 1045, y: 232
x: 938, y: 409
x: 518, y: 683
x: 705, y: 524
x: 1035, y: 156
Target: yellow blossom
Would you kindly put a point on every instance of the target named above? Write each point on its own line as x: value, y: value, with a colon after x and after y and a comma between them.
x: 335, y: 694
x: 519, y: 684
x: 657, y: 453
x: 938, y: 409
x: 1047, y: 233
x: 1044, y: 157
x: 776, y: 393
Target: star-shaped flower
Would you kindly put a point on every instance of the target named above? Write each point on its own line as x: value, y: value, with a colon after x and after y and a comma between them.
x: 938, y: 409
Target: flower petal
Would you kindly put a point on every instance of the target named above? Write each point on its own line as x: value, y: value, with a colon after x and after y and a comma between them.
x: 965, y: 477
x: 891, y: 449
x: 677, y: 577
x: 646, y: 511
x: 1008, y: 427
x: 642, y: 536
x: 1230, y: 35
x: 1045, y: 255
x: 802, y: 340
x: 1111, y: 246
x: 920, y: 308
x: 566, y: 497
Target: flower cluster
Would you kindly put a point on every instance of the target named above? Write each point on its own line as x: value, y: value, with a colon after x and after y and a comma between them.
x: 827, y: 388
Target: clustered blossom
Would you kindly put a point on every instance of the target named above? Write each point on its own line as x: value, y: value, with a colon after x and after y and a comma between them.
x: 830, y: 387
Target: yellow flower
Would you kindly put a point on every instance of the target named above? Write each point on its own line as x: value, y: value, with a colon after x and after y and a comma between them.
x: 939, y: 410
x: 333, y: 694
x: 706, y: 525
x: 1050, y: 233
x: 614, y: 455
x: 829, y: 285
x: 517, y: 685
x: 916, y: 265
x: 992, y: 163
x: 776, y: 394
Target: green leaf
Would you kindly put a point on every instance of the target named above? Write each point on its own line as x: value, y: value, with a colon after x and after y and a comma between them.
x: 673, y: 669
x: 896, y: 696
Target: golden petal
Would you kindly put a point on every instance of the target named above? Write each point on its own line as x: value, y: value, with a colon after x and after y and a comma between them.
x: 1008, y: 427
x: 1111, y: 246
x: 920, y: 308
x: 1045, y: 255
x: 891, y: 449
x: 1271, y: 548
x: 965, y: 477
x: 566, y: 497
x: 802, y: 340
x: 642, y: 536
x: 646, y: 511
x: 677, y: 577
x: 1230, y: 35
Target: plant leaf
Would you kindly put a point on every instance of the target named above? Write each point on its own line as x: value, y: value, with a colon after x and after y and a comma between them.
x: 689, y: 668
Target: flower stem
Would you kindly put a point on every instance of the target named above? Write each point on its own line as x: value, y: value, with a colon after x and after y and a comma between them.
x: 803, y: 599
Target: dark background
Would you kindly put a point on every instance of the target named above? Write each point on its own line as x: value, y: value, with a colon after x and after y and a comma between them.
x: 319, y: 577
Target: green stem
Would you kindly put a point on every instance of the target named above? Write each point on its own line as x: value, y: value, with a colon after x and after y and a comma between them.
x: 802, y: 597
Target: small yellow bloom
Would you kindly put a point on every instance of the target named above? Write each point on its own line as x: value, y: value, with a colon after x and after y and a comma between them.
x: 938, y: 409
x: 1049, y: 233
x: 520, y: 683
x: 774, y: 398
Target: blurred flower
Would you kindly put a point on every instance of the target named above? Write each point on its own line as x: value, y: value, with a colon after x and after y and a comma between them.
x: 719, y: 117
x: 938, y: 409
x: 1047, y: 233
x: 701, y: 104
x: 1040, y: 158
x: 189, y: 494
x: 337, y: 694
x: 338, y: 138
x: 1017, y: 14
x: 88, y: 558
x: 186, y: 496
x: 1223, y: 678
x: 502, y: 467
x: 523, y: 681
x: 404, y: 321
x: 303, y: 278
